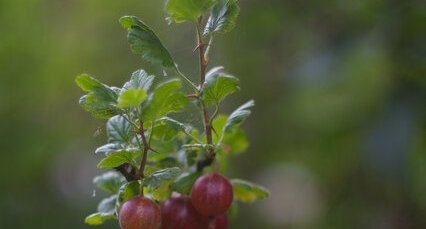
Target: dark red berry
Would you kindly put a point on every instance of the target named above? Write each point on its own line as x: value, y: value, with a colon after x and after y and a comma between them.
x: 140, y: 213
x: 212, y: 194
x: 219, y: 222
x: 178, y: 213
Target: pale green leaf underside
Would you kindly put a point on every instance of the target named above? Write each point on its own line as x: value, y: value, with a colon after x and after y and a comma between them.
x: 238, y: 116
x: 118, y: 130
x: 145, y: 42
x: 248, y: 192
x: 183, y: 10
x: 108, y: 148
x: 109, y: 182
x: 222, y: 17
x: 108, y: 205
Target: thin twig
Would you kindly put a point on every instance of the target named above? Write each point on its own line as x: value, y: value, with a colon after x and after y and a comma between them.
x: 193, y: 86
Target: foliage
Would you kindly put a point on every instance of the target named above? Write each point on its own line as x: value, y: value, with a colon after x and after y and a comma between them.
x: 147, y: 151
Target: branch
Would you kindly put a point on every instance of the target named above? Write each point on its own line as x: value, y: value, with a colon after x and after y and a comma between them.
x: 145, y: 149
x: 206, y: 119
x: 128, y: 171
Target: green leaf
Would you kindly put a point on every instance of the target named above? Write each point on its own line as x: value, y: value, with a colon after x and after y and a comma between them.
x: 183, y: 184
x: 134, y: 91
x: 128, y: 191
x: 144, y: 41
x: 218, y: 124
x: 248, y: 192
x: 118, y: 158
x: 167, y: 162
x: 157, y: 178
x: 98, y: 218
x: 182, y: 10
x: 167, y: 98
x: 159, y: 182
x: 164, y: 147
x: 108, y: 148
x: 139, y: 80
x: 222, y: 17
x: 238, y: 116
x: 162, y: 192
x: 167, y: 128
x: 217, y: 86
x: 109, y: 182
x: 235, y: 141
x: 131, y: 98
x: 108, y: 205
x: 118, y: 130
x: 101, y: 99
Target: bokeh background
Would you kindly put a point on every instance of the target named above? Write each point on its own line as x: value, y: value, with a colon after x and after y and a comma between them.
x: 338, y: 134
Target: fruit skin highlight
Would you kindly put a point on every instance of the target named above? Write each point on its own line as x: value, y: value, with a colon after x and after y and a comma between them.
x: 212, y: 194
x: 219, y: 222
x: 178, y: 213
x: 140, y: 213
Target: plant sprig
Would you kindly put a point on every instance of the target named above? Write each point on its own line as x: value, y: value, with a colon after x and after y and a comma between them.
x: 157, y: 163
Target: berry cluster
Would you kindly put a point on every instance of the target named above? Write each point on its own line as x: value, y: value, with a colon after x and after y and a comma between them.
x: 206, y: 208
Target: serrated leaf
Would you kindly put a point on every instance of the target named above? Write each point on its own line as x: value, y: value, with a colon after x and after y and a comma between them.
x: 131, y: 98
x: 98, y: 218
x: 134, y: 91
x: 109, y: 182
x: 118, y: 158
x: 139, y: 80
x: 183, y: 10
x: 128, y: 191
x: 217, y: 86
x: 238, y: 116
x: 183, y: 184
x: 167, y: 98
x: 222, y: 17
x: 101, y: 99
x: 118, y: 130
x: 157, y: 178
x: 248, y: 192
x: 145, y: 42
x: 108, y: 205
x: 167, y: 128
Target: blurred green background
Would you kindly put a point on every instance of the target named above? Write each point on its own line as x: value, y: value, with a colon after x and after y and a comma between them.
x: 338, y: 134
